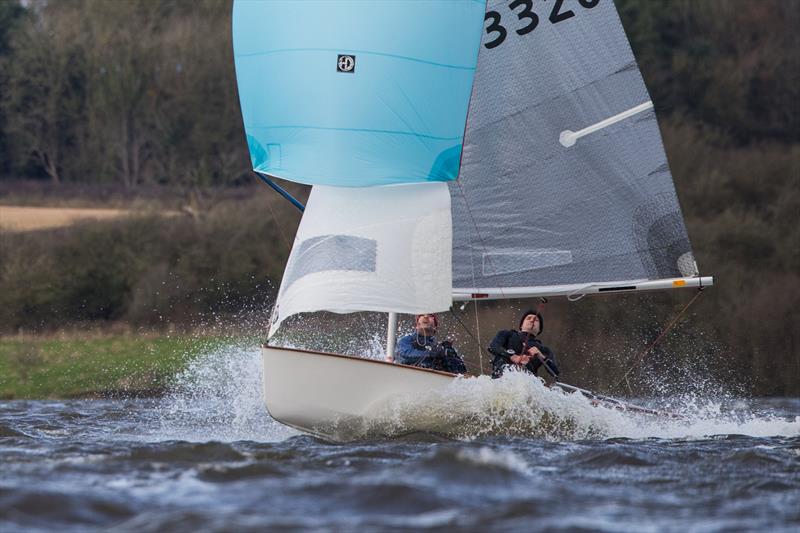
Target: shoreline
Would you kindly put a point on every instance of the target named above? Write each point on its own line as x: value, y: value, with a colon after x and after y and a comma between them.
x: 115, y: 366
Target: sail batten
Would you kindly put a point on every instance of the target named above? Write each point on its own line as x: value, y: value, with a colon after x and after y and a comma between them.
x: 567, y: 138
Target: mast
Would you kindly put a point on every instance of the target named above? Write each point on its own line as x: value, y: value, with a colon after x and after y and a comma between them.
x: 391, y: 337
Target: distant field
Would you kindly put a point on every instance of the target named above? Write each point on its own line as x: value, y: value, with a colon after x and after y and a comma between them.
x: 94, y: 367
x: 19, y: 218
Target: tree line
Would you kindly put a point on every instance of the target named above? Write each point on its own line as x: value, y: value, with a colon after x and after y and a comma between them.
x: 142, y: 94
x: 127, y: 92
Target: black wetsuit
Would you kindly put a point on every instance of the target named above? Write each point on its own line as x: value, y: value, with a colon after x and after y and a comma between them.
x: 511, y: 342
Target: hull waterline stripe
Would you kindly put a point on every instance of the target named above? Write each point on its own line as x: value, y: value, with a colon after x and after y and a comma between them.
x: 568, y: 138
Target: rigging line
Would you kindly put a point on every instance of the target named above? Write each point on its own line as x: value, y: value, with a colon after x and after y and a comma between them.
x: 486, y: 255
x: 480, y: 239
x: 472, y: 367
x: 288, y: 246
x: 472, y: 273
x: 644, y: 353
x: 477, y: 341
x: 280, y: 229
x: 285, y: 239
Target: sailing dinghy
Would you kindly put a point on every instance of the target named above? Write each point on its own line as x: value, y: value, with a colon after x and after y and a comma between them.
x: 458, y: 150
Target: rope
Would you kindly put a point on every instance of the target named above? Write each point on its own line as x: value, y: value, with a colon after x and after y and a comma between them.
x: 643, y: 354
x: 477, y: 341
x: 486, y: 253
x: 487, y: 256
x: 280, y: 229
x: 478, y: 346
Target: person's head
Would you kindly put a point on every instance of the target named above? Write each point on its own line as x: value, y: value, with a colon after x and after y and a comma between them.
x: 531, y: 322
x: 426, y: 324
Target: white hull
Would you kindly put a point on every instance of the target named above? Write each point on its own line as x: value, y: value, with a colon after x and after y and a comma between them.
x: 336, y: 396
x: 341, y: 397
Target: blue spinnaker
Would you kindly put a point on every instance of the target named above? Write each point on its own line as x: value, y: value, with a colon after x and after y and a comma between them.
x: 356, y: 93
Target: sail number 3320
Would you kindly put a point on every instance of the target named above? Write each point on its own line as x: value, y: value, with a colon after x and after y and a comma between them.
x: 527, y: 17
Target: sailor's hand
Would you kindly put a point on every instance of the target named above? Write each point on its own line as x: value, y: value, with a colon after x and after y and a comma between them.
x: 533, y: 351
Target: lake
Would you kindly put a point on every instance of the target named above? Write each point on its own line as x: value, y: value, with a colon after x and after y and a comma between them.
x: 207, y: 457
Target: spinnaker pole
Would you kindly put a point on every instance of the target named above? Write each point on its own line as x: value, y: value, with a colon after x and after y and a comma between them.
x: 280, y: 190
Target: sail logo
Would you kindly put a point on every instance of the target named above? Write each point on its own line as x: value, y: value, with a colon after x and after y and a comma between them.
x: 346, y: 63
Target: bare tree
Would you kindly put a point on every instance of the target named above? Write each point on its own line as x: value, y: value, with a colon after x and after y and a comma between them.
x: 43, y: 96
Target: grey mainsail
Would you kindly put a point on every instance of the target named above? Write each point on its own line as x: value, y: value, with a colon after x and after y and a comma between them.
x: 564, y: 178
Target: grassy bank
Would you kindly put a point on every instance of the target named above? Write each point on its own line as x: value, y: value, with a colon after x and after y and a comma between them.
x: 109, y: 366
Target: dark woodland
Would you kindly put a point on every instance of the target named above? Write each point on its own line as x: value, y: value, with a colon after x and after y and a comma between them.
x: 133, y: 103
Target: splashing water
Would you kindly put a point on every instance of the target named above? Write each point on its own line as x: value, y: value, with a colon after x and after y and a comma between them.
x: 485, y: 456
x: 122, y: 465
x: 219, y: 397
x: 521, y: 406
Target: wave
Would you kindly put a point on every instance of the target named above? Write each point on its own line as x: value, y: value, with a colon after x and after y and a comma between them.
x: 219, y: 397
x: 517, y: 405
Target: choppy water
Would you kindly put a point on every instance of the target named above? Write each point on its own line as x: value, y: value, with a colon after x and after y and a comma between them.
x: 208, y: 458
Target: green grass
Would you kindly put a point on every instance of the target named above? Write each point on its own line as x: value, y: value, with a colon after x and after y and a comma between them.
x: 121, y: 365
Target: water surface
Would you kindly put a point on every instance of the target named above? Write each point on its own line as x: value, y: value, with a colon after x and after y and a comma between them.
x: 208, y: 458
